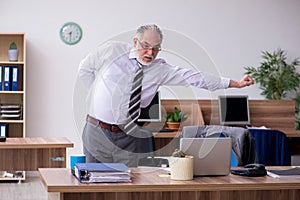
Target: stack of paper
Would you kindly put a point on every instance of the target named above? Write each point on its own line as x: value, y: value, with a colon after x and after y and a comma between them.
x: 102, y: 172
x: 287, y: 173
x: 10, y: 111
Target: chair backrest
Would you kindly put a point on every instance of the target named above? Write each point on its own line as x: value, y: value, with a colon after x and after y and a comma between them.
x: 272, y: 147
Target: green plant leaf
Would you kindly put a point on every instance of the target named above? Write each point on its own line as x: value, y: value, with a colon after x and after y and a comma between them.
x: 13, y: 46
x: 176, y: 116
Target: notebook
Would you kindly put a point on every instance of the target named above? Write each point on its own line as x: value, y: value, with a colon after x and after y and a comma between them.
x: 212, y: 156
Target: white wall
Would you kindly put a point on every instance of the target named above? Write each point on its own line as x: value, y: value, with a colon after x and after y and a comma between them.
x: 232, y: 32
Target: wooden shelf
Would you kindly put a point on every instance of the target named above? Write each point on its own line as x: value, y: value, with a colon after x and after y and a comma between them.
x: 7, y: 176
x: 174, y: 134
x: 6, y: 62
x: 16, y: 126
x: 11, y: 92
x: 12, y: 121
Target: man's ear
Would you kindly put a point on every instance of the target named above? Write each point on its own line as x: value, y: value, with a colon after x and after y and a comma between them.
x: 135, y: 42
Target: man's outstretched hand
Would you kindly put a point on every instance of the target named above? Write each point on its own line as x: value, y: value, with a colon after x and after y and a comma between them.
x: 247, y: 80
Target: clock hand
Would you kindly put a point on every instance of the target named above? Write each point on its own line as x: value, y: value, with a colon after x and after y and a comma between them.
x: 70, y: 34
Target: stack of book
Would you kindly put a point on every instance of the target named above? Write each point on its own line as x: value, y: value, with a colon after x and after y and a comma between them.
x: 102, y: 172
x: 10, y: 111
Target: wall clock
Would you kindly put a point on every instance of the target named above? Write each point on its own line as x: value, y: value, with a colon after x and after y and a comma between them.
x: 70, y: 33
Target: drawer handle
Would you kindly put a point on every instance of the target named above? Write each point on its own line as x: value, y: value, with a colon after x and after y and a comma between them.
x: 57, y: 159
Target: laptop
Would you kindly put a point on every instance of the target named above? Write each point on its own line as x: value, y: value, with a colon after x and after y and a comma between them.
x: 212, y: 156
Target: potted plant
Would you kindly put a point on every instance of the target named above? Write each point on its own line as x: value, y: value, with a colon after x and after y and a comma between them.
x: 181, y: 165
x: 277, y: 78
x: 174, y: 119
x: 13, y: 52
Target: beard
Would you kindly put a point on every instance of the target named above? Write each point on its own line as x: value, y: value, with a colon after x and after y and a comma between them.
x: 140, y: 60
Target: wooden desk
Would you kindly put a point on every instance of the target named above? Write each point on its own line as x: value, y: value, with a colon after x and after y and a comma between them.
x: 29, y: 154
x: 148, y: 185
x: 166, y: 142
x: 275, y: 114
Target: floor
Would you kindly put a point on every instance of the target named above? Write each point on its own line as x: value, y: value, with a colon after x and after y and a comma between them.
x: 30, y: 189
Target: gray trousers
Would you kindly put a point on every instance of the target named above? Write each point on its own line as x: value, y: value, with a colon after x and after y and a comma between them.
x: 102, y: 145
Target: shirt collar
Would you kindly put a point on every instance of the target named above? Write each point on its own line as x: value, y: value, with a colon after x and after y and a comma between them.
x: 132, y: 54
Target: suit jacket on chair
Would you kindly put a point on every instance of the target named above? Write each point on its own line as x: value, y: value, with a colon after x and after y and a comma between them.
x: 243, y: 143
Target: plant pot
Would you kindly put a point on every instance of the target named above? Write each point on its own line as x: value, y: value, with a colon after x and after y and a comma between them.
x: 173, y: 125
x: 182, y: 168
x: 13, y: 54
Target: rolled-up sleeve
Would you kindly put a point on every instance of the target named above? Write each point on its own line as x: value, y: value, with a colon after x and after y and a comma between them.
x: 175, y: 75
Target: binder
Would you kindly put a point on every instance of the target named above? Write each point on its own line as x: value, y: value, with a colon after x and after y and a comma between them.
x: 14, y: 84
x: 7, y: 78
x: 1, y: 77
x: 102, y: 172
x: 3, y: 132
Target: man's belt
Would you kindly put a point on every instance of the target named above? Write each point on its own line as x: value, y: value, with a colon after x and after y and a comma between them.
x: 96, y: 122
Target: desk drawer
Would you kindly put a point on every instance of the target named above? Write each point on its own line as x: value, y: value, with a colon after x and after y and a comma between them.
x: 32, y: 159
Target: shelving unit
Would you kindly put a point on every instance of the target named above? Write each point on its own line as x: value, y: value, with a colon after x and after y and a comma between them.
x: 15, y: 126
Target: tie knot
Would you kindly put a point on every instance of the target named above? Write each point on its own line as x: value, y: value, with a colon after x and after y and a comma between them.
x: 140, y: 64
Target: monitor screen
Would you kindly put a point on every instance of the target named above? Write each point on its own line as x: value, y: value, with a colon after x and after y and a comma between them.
x: 152, y: 113
x: 234, y: 110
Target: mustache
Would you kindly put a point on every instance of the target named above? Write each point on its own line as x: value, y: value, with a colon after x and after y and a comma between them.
x: 148, y: 56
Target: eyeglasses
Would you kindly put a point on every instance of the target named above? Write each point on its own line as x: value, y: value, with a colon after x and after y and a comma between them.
x: 147, y: 46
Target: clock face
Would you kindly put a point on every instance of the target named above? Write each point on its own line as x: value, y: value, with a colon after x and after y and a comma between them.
x: 70, y: 33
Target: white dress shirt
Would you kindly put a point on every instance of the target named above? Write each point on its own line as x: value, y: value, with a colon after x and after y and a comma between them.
x: 109, y: 71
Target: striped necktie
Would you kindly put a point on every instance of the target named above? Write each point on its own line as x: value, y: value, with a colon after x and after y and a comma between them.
x: 135, y: 101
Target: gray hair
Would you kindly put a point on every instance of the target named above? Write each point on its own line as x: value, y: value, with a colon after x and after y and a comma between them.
x: 148, y: 27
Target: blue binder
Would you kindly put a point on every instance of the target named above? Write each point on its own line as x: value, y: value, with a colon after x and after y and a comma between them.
x: 15, y: 77
x: 1, y: 77
x: 7, y: 78
x: 3, y: 130
x: 102, y: 172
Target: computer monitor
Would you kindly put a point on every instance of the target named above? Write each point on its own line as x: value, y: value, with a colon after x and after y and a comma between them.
x: 151, y: 113
x: 234, y: 110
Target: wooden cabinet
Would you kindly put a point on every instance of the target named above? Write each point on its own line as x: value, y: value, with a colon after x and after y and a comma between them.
x: 15, y: 120
x: 13, y: 97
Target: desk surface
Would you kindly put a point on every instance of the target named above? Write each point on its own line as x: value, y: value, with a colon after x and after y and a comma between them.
x: 174, y: 134
x: 148, y: 180
x: 35, y: 142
